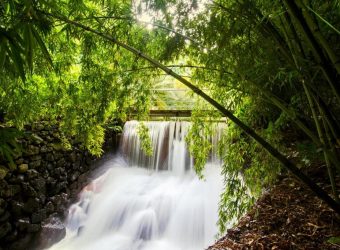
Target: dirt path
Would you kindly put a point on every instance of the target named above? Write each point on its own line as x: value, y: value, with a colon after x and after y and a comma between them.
x: 287, y: 217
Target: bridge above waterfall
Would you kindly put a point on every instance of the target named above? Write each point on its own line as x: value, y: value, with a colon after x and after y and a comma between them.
x: 171, y: 113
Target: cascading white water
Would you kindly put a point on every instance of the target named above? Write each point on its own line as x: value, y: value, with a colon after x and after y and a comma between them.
x: 136, y: 206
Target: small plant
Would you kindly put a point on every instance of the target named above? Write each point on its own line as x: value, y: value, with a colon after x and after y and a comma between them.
x: 9, y: 146
x: 146, y: 143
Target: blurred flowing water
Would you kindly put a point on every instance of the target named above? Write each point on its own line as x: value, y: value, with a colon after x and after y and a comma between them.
x: 148, y: 203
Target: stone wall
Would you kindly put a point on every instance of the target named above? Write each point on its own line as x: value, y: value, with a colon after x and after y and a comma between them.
x: 38, y: 191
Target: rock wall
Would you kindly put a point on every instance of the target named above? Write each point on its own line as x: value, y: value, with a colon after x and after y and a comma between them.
x: 39, y: 188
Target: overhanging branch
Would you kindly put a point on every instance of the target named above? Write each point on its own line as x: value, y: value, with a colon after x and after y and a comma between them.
x: 249, y: 131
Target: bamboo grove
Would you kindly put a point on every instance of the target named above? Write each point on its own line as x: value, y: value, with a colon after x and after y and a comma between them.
x: 270, y: 67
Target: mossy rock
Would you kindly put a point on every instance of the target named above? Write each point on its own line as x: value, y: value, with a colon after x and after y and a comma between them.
x: 3, y: 172
x: 22, y: 168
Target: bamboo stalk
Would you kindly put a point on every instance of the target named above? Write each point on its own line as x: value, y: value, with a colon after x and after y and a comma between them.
x: 319, y: 37
x: 250, y: 132
x: 326, y: 66
x: 322, y: 139
x: 334, y: 127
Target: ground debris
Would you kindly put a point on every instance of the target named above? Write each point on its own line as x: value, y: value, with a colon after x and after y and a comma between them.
x: 289, y: 216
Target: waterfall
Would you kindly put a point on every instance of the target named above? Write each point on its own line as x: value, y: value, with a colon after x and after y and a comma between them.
x: 148, y: 202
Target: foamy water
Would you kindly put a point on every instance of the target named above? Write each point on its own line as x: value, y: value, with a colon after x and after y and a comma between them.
x: 135, y: 206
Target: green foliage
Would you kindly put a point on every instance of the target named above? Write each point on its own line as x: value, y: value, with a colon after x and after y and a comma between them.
x: 334, y: 240
x: 247, y: 169
x: 88, y: 86
x: 144, y: 137
x: 9, y: 146
x: 198, y: 137
x: 199, y: 145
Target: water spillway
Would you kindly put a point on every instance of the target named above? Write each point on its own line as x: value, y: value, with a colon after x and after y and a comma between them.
x: 148, y: 202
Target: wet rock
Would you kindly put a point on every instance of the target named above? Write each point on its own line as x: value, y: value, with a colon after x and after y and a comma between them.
x: 19, y: 161
x: 61, y: 186
x: 28, y: 190
x: 3, y: 205
x: 23, y: 223
x: 35, y: 158
x: 83, y: 178
x: 10, y: 191
x: 74, y: 176
x: 32, y: 150
x: 37, y: 139
x: 38, y: 216
x: 57, y: 146
x: 50, y: 167
x: 22, y: 168
x: 32, y: 173
x: 73, y: 157
x: 33, y: 228
x: 50, y: 157
x: 44, y: 149
x: 59, y: 200
x: 23, y: 242
x: 50, y: 207
x: 52, y: 231
x: 42, y: 198
x: 17, y: 208
x: 39, y: 185
x: 51, y: 184
x: 38, y: 126
x: 58, y: 171
x: 61, y: 162
x: 31, y: 205
x: 16, y: 179
x: 35, y: 164
x: 3, y: 172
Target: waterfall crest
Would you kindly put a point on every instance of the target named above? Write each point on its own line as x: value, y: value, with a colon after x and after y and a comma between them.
x: 148, y: 203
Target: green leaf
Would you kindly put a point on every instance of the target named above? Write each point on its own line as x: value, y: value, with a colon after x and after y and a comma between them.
x: 15, y: 55
x: 29, y: 46
x: 334, y: 240
x: 2, y: 55
x: 324, y: 20
x: 42, y: 46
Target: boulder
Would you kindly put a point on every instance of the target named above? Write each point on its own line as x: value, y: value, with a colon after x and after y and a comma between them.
x: 16, y: 208
x: 28, y: 190
x: 49, y: 157
x: 10, y: 191
x: 35, y: 164
x: 22, y: 168
x: 22, y: 242
x: 3, y: 172
x: 32, y: 205
x: 32, y: 173
x: 39, y: 185
x: 39, y: 216
x: 37, y: 139
x: 32, y: 150
x: 52, y: 231
x: 19, y: 161
x: 50, y: 208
